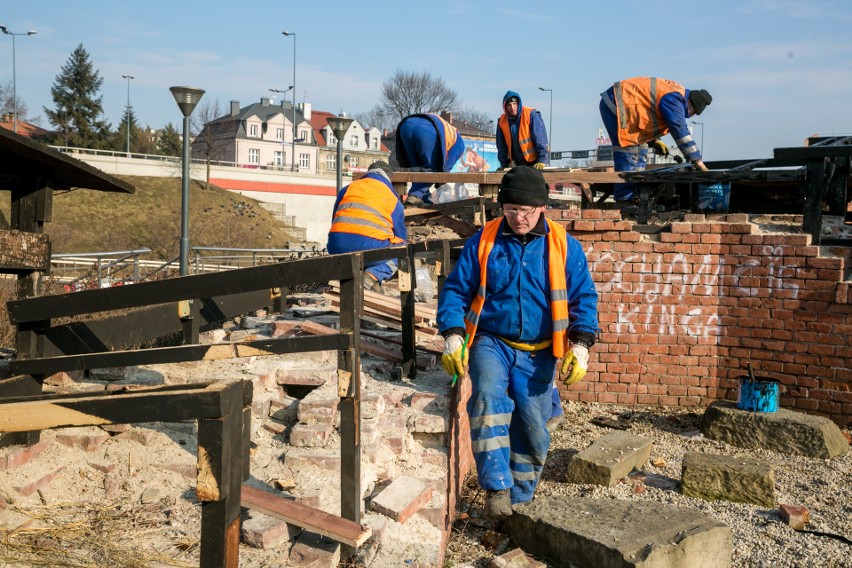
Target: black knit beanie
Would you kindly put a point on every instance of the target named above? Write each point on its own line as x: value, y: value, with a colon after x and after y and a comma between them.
x: 523, y: 185
x: 700, y: 99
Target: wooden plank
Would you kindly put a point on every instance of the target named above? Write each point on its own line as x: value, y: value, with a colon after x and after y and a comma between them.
x: 290, y: 273
x: 177, y: 354
x: 154, y: 405
x: 20, y: 250
x: 141, y: 326
x: 313, y: 520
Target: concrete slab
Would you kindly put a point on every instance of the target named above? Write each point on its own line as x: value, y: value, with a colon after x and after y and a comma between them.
x: 609, y: 458
x: 741, y: 480
x: 784, y: 431
x: 599, y: 533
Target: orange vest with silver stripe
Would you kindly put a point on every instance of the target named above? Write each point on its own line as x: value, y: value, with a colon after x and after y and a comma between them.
x: 525, y: 140
x: 366, y: 209
x: 450, y: 134
x: 638, y: 104
x: 557, y: 254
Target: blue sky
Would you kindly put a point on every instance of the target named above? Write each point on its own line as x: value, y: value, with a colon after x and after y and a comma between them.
x: 778, y: 70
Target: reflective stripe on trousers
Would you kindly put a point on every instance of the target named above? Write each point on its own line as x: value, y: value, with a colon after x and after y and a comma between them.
x: 509, y: 405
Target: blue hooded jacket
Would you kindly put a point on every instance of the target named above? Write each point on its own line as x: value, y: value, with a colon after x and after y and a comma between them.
x: 537, y: 130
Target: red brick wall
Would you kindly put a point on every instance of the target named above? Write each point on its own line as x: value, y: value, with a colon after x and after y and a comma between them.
x: 683, y: 312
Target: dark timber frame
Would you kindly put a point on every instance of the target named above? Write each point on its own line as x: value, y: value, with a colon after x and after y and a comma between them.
x: 223, y: 412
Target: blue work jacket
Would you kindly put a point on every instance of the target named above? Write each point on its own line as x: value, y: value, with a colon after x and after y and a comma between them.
x: 517, y: 297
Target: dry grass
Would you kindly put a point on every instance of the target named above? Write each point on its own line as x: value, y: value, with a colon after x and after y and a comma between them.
x: 77, y: 535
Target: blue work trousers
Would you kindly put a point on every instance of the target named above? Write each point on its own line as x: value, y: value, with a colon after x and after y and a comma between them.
x: 510, y: 403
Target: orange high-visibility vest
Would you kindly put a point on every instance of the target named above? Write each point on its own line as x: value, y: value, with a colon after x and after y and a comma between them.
x: 366, y: 209
x: 450, y: 134
x: 525, y: 140
x: 557, y: 254
x: 638, y: 104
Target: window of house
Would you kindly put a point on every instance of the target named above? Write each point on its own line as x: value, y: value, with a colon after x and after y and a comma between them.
x: 303, y: 134
x: 304, y: 161
x: 279, y: 133
x: 375, y: 143
x: 330, y: 138
x: 353, y: 161
x: 253, y: 131
x: 354, y: 141
x: 331, y: 162
x: 279, y: 159
x: 254, y: 156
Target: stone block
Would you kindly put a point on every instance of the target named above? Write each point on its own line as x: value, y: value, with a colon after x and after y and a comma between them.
x: 316, y: 410
x: 372, y: 406
x: 405, y: 496
x: 742, y: 480
x: 784, y: 431
x: 609, y: 459
x: 646, y: 535
x: 284, y: 409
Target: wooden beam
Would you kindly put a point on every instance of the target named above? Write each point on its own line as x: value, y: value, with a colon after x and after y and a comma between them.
x: 129, y: 407
x: 313, y: 520
x: 177, y: 354
x: 21, y: 250
x: 291, y: 273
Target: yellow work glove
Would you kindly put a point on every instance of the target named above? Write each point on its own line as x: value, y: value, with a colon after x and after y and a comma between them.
x: 577, y: 360
x: 659, y: 147
x: 539, y: 165
x: 452, y: 360
x: 699, y: 165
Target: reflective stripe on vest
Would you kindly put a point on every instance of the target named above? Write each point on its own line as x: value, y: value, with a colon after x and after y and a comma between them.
x: 557, y: 254
x: 638, y: 104
x: 525, y: 140
x: 366, y: 209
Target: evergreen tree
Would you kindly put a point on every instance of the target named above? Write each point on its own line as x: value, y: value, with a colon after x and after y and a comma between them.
x: 118, y: 141
x: 171, y: 143
x: 79, y: 110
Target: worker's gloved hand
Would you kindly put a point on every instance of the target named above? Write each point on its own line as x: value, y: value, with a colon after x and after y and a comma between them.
x: 452, y: 360
x: 699, y: 165
x: 502, y: 168
x: 539, y: 165
x: 678, y: 158
x: 659, y: 147
x: 577, y: 362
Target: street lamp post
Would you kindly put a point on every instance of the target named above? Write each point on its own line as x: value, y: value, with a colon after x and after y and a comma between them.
x: 6, y: 31
x: 550, y: 128
x: 339, y: 125
x: 702, y: 136
x: 293, y: 157
x: 128, y: 77
x: 186, y: 99
x: 282, y: 91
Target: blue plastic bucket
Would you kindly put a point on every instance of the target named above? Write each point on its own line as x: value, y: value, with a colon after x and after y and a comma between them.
x: 714, y: 196
x: 758, y: 395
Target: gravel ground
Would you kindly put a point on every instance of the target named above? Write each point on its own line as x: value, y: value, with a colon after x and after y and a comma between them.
x: 760, y: 538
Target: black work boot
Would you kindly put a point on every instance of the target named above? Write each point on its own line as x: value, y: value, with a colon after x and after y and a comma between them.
x: 498, y: 504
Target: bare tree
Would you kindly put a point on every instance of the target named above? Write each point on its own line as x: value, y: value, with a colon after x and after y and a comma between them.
x: 376, y: 117
x: 475, y: 118
x: 7, y: 101
x: 409, y: 92
x: 205, y: 129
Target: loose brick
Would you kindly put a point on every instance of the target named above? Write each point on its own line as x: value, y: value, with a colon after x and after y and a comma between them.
x: 86, y: 439
x: 405, y: 496
x: 265, y: 532
x: 796, y: 517
x: 16, y: 456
